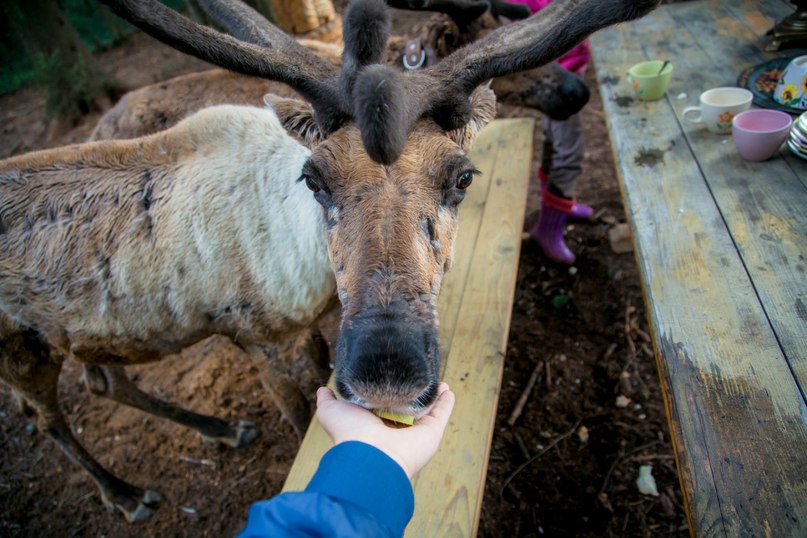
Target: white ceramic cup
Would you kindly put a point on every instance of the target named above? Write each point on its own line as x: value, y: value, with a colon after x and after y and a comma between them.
x: 718, y: 107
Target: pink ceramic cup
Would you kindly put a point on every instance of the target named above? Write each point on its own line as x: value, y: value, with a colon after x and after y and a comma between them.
x: 759, y: 133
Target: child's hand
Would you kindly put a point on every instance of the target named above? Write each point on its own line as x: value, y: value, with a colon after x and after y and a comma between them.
x: 411, y: 447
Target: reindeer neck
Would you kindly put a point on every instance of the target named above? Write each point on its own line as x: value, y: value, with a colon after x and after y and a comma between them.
x: 273, y: 221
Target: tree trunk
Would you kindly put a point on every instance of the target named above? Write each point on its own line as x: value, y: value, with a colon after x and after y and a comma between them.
x: 313, y: 19
x: 72, y: 78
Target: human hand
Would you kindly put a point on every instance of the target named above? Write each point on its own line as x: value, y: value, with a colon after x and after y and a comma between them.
x: 411, y: 447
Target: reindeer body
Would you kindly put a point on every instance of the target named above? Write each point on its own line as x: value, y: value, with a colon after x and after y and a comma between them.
x: 161, y: 105
x: 199, y: 230
x: 122, y: 252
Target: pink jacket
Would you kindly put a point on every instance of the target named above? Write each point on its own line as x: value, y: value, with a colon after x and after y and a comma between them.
x: 575, y: 60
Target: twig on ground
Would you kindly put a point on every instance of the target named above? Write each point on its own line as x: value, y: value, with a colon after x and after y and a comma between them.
x: 205, y: 462
x: 643, y: 335
x: 248, y: 476
x: 521, y: 446
x: 632, y: 351
x: 628, y: 311
x: 546, y: 449
x: 621, y: 457
x: 600, y: 212
x: 651, y: 457
x: 599, y: 113
x: 525, y: 394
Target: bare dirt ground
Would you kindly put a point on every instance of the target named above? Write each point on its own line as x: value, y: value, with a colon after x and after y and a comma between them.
x: 583, y: 332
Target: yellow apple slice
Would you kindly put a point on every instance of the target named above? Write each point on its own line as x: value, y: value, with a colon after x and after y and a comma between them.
x: 399, y: 418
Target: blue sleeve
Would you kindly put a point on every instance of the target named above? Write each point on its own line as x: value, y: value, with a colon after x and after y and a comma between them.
x: 357, y: 491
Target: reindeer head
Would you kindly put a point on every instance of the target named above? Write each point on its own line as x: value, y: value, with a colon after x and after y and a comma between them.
x: 391, y: 232
x: 388, y: 162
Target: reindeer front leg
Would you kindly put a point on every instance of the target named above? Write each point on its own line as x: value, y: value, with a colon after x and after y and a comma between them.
x: 113, y: 383
x: 28, y: 367
x: 274, y: 364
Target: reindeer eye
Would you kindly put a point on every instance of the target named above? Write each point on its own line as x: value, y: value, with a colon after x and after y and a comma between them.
x: 310, y: 183
x: 465, y: 180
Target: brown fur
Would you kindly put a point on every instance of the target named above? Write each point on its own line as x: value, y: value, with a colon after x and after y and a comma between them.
x: 120, y: 252
x: 99, y: 264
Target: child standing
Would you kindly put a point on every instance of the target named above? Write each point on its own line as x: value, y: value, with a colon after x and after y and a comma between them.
x: 561, y: 164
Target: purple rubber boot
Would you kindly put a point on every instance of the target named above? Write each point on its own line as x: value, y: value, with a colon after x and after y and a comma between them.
x: 548, y: 229
x: 579, y: 211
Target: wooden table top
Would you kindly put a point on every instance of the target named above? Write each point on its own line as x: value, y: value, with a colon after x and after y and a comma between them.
x: 721, y: 246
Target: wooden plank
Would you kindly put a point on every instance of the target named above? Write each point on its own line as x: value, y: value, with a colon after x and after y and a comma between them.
x: 737, y: 416
x: 448, y: 492
x: 472, y: 212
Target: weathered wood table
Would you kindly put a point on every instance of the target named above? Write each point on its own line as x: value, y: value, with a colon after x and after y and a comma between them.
x: 475, y: 305
x: 721, y: 246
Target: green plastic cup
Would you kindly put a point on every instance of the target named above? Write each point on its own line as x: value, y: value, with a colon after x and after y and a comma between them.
x: 649, y: 80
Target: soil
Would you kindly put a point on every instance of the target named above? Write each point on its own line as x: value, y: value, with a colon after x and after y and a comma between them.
x: 567, y: 466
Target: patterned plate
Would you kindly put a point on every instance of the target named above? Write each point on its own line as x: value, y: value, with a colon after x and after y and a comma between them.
x: 761, y: 80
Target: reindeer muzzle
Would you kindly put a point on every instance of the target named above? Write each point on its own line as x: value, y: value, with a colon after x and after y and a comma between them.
x: 387, y: 358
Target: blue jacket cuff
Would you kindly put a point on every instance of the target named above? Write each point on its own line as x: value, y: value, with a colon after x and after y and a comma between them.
x: 366, y: 477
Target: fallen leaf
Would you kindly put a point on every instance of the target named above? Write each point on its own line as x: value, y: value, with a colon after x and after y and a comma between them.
x: 620, y: 238
x: 667, y: 506
x: 582, y: 434
x: 602, y: 497
x: 646, y: 483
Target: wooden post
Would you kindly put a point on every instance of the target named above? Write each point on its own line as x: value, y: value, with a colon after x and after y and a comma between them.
x: 311, y: 19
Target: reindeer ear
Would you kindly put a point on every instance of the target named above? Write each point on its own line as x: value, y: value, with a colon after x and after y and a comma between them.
x: 483, y: 111
x: 297, y: 117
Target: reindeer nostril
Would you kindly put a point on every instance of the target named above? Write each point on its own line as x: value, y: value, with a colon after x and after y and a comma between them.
x: 427, y: 398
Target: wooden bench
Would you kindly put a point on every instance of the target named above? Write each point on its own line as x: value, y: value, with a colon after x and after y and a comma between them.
x: 474, y: 308
x: 721, y: 246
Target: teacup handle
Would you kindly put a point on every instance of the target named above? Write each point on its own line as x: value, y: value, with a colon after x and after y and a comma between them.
x: 696, y: 119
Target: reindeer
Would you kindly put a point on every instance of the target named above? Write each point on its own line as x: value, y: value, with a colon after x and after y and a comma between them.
x: 118, y: 252
x: 549, y: 88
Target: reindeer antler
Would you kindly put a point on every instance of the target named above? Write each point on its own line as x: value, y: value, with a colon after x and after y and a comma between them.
x: 442, y: 91
x: 242, y: 21
x: 501, y: 8
x: 464, y: 11
x: 384, y: 103
x: 279, y: 57
x: 459, y: 10
x: 261, y: 49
